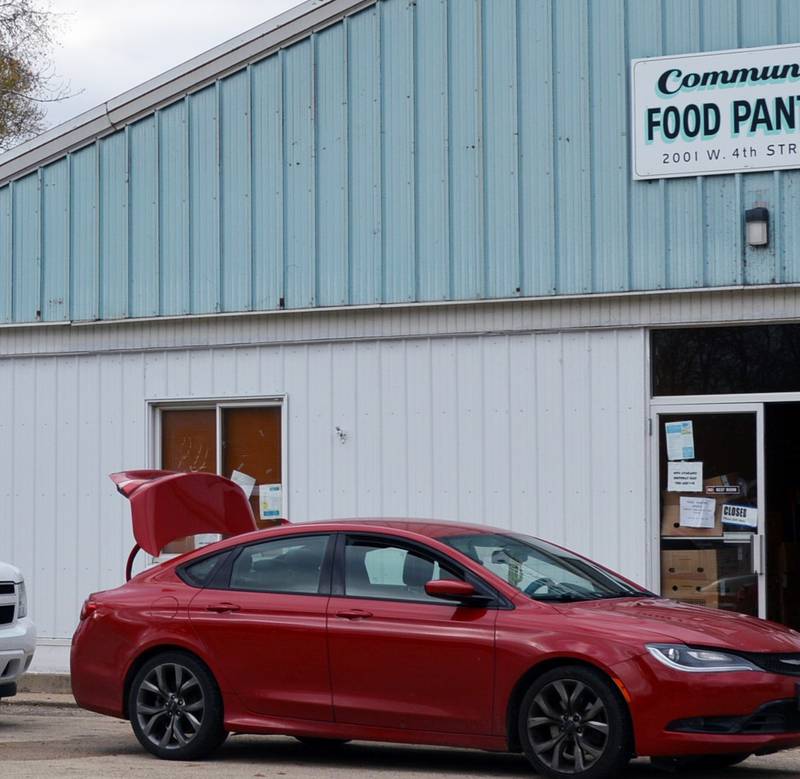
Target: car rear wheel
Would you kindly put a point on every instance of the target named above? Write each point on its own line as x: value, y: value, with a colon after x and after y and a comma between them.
x: 175, y: 708
x: 573, y: 723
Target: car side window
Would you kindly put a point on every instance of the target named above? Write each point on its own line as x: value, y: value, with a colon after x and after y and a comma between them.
x: 378, y: 569
x: 289, y: 564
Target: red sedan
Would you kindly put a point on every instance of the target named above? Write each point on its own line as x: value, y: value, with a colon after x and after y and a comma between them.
x: 418, y: 632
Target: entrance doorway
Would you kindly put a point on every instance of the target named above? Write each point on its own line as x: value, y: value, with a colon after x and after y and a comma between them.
x: 728, y: 477
x: 782, y: 449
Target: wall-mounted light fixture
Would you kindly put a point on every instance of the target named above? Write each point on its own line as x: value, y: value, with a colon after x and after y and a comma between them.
x: 757, y: 225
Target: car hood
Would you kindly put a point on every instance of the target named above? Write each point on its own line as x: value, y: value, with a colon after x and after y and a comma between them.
x: 8, y: 573
x: 680, y: 623
x: 166, y: 505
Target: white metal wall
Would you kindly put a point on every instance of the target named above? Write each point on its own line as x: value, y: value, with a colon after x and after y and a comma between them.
x: 543, y: 433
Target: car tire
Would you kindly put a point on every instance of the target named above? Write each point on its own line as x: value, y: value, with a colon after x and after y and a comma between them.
x: 573, y: 723
x: 322, y: 744
x: 175, y: 707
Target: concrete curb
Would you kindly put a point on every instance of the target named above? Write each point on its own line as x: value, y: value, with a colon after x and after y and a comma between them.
x: 45, y: 684
x: 43, y: 700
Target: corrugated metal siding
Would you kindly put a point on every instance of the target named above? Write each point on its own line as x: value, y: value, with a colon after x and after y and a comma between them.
x: 540, y: 433
x: 415, y: 151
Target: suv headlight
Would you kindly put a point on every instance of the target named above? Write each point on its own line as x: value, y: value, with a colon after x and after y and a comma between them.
x: 22, y: 601
x: 686, y: 658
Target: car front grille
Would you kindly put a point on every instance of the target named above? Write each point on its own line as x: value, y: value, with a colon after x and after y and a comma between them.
x: 6, y: 614
x: 787, y: 664
x: 6, y: 588
x: 772, y: 718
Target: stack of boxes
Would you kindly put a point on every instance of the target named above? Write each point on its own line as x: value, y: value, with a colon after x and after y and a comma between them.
x: 692, y: 575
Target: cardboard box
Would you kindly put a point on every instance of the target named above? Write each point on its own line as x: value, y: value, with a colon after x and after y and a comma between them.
x: 671, y: 521
x: 689, y: 565
x: 696, y: 594
x: 671, y: 515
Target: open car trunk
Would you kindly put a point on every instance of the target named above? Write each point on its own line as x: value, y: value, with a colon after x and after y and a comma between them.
x: 166, y: 505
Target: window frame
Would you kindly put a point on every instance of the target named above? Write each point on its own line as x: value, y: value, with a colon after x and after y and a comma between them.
x: 153, y: 433
x: 497, y: 601
x: 223, y: 575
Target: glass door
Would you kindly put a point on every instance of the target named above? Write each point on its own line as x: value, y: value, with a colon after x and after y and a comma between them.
x: 709, y: 472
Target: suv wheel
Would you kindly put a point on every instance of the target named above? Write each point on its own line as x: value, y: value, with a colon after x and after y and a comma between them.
x: 175, y: 708
x: 573, y: 723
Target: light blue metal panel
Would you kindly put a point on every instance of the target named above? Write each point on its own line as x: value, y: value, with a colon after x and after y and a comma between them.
x: 683, y: 197
x: 331, y: 173
x: 721, y: 205
x: 610, y: 171
x: 536, y: 180
x: 432, y: 175
x: 267, y: 184
x: 364, y: 156
x: 760, y: 27
x: 143, y: 287
x: 572, y: 145
x: 27, y: 258
x: 6, y: 257
x: 235, y: 143
x: 173, y: 196
x: 397, y: 60
x: 204, y: 205
x: 299, y: 165
x: 84, y: 235
x: 55, y: 241
x: 501, y: 154
x: 647, y: 233
x: 466, y: 150
x: 786, y: 225
x: 114, y: 226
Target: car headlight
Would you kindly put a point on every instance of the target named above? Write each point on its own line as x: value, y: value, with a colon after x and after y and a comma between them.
x: 22, y: 601
x: 686, y: 658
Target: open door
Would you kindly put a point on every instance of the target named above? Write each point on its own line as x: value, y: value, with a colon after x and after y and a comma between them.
x: 166, y: 505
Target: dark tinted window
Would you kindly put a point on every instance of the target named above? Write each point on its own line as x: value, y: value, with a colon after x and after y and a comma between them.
x: 726, y: 360
x: 292, y: 564
x: 377, y: 569
x: 199, y: 573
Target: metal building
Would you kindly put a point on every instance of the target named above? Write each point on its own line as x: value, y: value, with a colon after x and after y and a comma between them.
x: 394, y: 257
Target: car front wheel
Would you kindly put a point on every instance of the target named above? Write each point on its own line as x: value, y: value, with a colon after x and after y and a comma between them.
x: 175, y: 707
x: 573, y: 723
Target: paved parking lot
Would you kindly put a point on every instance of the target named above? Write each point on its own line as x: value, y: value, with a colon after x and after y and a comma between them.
x: 49, y: 742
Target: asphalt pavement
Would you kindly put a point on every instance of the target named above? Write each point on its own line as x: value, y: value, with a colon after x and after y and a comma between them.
x: 51, y: 741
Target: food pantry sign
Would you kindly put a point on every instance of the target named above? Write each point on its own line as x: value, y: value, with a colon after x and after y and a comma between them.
x: 721, y: 112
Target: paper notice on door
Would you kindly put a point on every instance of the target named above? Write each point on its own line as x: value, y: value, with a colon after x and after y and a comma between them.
x: 744, y: 517
x: 680, y: 440
x: 245, y: 482
x: 698, y: 512
x: 270, y: 501
x: 684, y: 477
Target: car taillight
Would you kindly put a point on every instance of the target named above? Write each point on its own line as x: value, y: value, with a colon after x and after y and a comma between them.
x: 89, y: 607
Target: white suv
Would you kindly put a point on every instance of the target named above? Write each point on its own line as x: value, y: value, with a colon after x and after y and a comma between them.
x: 17, y: 632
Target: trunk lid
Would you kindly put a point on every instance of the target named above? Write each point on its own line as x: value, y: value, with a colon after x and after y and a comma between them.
x: 167, y: 505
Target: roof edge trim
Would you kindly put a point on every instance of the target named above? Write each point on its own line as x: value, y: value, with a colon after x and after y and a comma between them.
x: 254, y: 44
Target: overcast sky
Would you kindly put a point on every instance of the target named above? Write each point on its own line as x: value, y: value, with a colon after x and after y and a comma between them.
x: 108, y: 46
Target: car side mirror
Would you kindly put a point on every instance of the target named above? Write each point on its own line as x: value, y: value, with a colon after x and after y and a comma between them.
x: 451, y: 589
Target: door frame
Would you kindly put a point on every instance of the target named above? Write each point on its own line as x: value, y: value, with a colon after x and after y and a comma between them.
x: 709, y: 404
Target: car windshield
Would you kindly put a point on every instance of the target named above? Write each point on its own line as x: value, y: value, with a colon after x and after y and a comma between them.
x: 540, y: 570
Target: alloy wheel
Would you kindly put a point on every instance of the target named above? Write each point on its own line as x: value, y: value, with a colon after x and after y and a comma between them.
x: 170, y: 706
x: 568, y: 726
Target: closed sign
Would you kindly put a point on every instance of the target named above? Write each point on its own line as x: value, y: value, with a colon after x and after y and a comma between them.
x: 740, y: 516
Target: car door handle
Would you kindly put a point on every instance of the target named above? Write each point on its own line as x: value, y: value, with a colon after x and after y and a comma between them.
x: 222, y: 608
x: 354, y: 614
